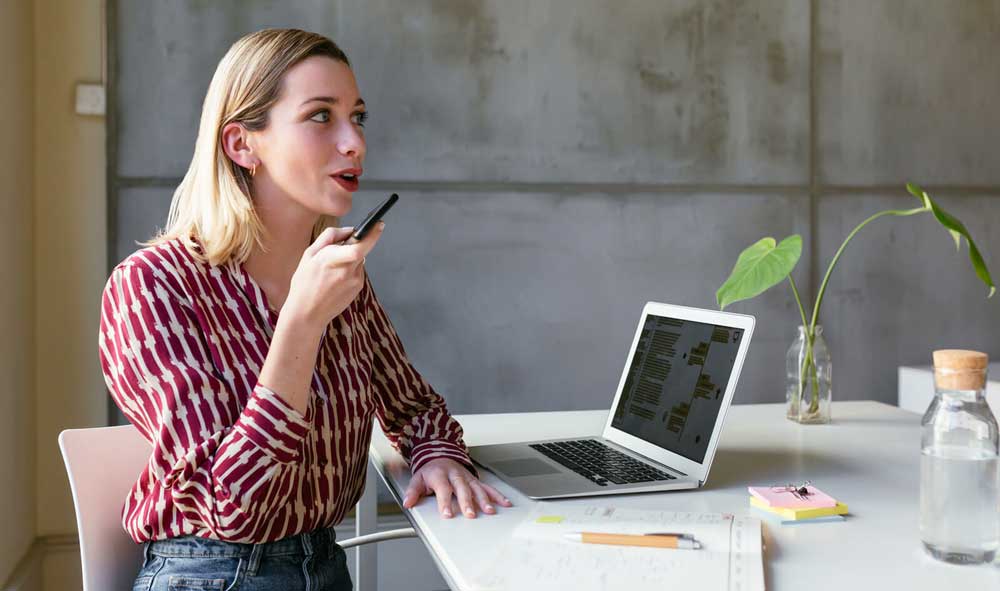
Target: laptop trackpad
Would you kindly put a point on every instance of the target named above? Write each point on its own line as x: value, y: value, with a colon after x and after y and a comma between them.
x: 524, y: 467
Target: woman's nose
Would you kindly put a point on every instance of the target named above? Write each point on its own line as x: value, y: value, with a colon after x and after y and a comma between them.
x: 350, y: 142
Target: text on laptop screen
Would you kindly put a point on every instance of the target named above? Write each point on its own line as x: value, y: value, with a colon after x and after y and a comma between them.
x: 676, y: 382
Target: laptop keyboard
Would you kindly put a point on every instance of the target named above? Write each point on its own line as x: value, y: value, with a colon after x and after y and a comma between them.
x: 599, y: 463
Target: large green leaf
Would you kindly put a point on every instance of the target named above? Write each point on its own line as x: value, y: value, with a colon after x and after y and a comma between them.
x: 958, y: 231
x: 760, y: 267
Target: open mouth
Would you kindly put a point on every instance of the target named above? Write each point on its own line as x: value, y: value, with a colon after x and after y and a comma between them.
x: 347, y: 180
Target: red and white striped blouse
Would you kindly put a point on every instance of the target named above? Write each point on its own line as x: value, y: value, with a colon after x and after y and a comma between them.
x: 181, y: 346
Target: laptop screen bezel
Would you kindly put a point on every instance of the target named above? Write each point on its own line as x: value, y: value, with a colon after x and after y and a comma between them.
x: 652, y: 451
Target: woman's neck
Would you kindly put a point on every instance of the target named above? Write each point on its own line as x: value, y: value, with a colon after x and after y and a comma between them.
x: 288, y: 234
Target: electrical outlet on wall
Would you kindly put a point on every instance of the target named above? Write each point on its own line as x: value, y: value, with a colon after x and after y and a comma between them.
x: 89, y: 99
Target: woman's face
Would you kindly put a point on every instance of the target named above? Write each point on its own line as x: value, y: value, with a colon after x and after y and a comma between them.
x: 313, y: 148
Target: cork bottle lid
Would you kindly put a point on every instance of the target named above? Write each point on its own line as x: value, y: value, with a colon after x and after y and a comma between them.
x: 960, y: 369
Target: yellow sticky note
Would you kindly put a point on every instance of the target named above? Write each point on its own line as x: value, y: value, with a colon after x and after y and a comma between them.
x: 803, y: 513
x: 549, y: 519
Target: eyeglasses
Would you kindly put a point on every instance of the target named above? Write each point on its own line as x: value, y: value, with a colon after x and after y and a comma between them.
x: 800, y: 491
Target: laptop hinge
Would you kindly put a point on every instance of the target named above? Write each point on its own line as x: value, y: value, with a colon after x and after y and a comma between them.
x: 644, y: 458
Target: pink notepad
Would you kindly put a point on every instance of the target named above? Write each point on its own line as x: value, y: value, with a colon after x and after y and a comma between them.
x: 779, y: 497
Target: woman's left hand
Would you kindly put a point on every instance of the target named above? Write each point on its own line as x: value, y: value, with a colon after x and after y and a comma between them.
x: 444, y: 477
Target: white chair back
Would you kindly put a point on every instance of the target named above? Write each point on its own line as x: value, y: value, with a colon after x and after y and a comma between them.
x: 103, y: 463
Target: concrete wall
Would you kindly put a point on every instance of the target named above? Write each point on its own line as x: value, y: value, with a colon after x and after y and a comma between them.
x: 562, y: 162
x: 17, y: 348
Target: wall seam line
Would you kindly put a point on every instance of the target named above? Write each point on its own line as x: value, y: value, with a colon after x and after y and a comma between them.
x: 135, y: 182
x: 814, y: 184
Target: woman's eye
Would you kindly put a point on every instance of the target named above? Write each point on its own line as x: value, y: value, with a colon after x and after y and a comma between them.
x: 325, y: 113
x: 360, y: 117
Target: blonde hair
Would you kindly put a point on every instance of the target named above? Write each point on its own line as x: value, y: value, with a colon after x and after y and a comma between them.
x: 213, y: 204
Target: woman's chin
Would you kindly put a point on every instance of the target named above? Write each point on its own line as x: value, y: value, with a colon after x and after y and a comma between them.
x: 338, y: 204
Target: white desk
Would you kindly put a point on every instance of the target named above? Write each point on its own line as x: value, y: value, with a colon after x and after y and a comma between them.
x: 869, y: 458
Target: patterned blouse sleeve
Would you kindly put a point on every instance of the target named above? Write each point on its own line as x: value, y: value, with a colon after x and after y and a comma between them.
x: 412, y: 415
x: 223, y: 467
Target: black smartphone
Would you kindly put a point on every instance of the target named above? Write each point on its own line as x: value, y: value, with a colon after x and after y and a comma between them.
x: 373, y: 217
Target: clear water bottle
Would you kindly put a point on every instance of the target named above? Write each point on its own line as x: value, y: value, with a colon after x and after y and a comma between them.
x: 959, y: 479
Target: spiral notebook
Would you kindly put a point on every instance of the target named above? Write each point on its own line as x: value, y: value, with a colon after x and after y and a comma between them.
x: 537, y: 556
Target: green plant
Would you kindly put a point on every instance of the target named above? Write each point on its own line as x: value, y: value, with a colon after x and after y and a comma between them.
x: 766, y: 263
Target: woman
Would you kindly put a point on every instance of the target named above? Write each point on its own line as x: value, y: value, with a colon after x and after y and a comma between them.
x: 258, y: 419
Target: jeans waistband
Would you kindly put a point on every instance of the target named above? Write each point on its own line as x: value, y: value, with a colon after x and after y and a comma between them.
x: 302, y: 544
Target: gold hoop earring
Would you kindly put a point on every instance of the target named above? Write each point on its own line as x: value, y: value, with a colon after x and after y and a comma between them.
x: 253, y: 169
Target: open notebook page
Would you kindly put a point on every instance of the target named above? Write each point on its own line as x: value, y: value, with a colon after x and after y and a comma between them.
x: 538, y: 557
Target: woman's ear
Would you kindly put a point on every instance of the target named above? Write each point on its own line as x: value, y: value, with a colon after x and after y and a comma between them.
x: 236, y: 143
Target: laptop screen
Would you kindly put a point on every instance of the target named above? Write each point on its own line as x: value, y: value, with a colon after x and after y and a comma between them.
x: 676, y: 382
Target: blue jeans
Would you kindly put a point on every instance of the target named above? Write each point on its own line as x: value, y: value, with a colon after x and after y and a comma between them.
x: 310, y: 561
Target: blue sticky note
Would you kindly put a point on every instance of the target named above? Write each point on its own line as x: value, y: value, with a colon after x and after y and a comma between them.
x: 775, y: 518
x: 827, y: 519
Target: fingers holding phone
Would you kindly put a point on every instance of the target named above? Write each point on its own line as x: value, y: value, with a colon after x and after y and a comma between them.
x: 329, y: 277
x: 327, y: 237
x: 351, y: 251
x: 331, y: 272
x: 373, y: 217
x: 372, y: 220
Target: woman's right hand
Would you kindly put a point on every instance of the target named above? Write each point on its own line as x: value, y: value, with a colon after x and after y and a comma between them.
x: 329, y: 276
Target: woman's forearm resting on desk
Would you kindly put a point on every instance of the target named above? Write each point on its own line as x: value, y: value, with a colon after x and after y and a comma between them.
x: 416, y: 421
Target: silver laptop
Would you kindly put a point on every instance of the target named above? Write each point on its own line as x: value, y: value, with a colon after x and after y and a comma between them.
x: 665, y: 419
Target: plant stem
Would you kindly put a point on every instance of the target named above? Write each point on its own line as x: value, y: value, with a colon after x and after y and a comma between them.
x: 807, y: 361
x: 814, y: 405
x: 809, y: 369
x: 840, y: 251
x: 795, y: 292
x: 807, y: 364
